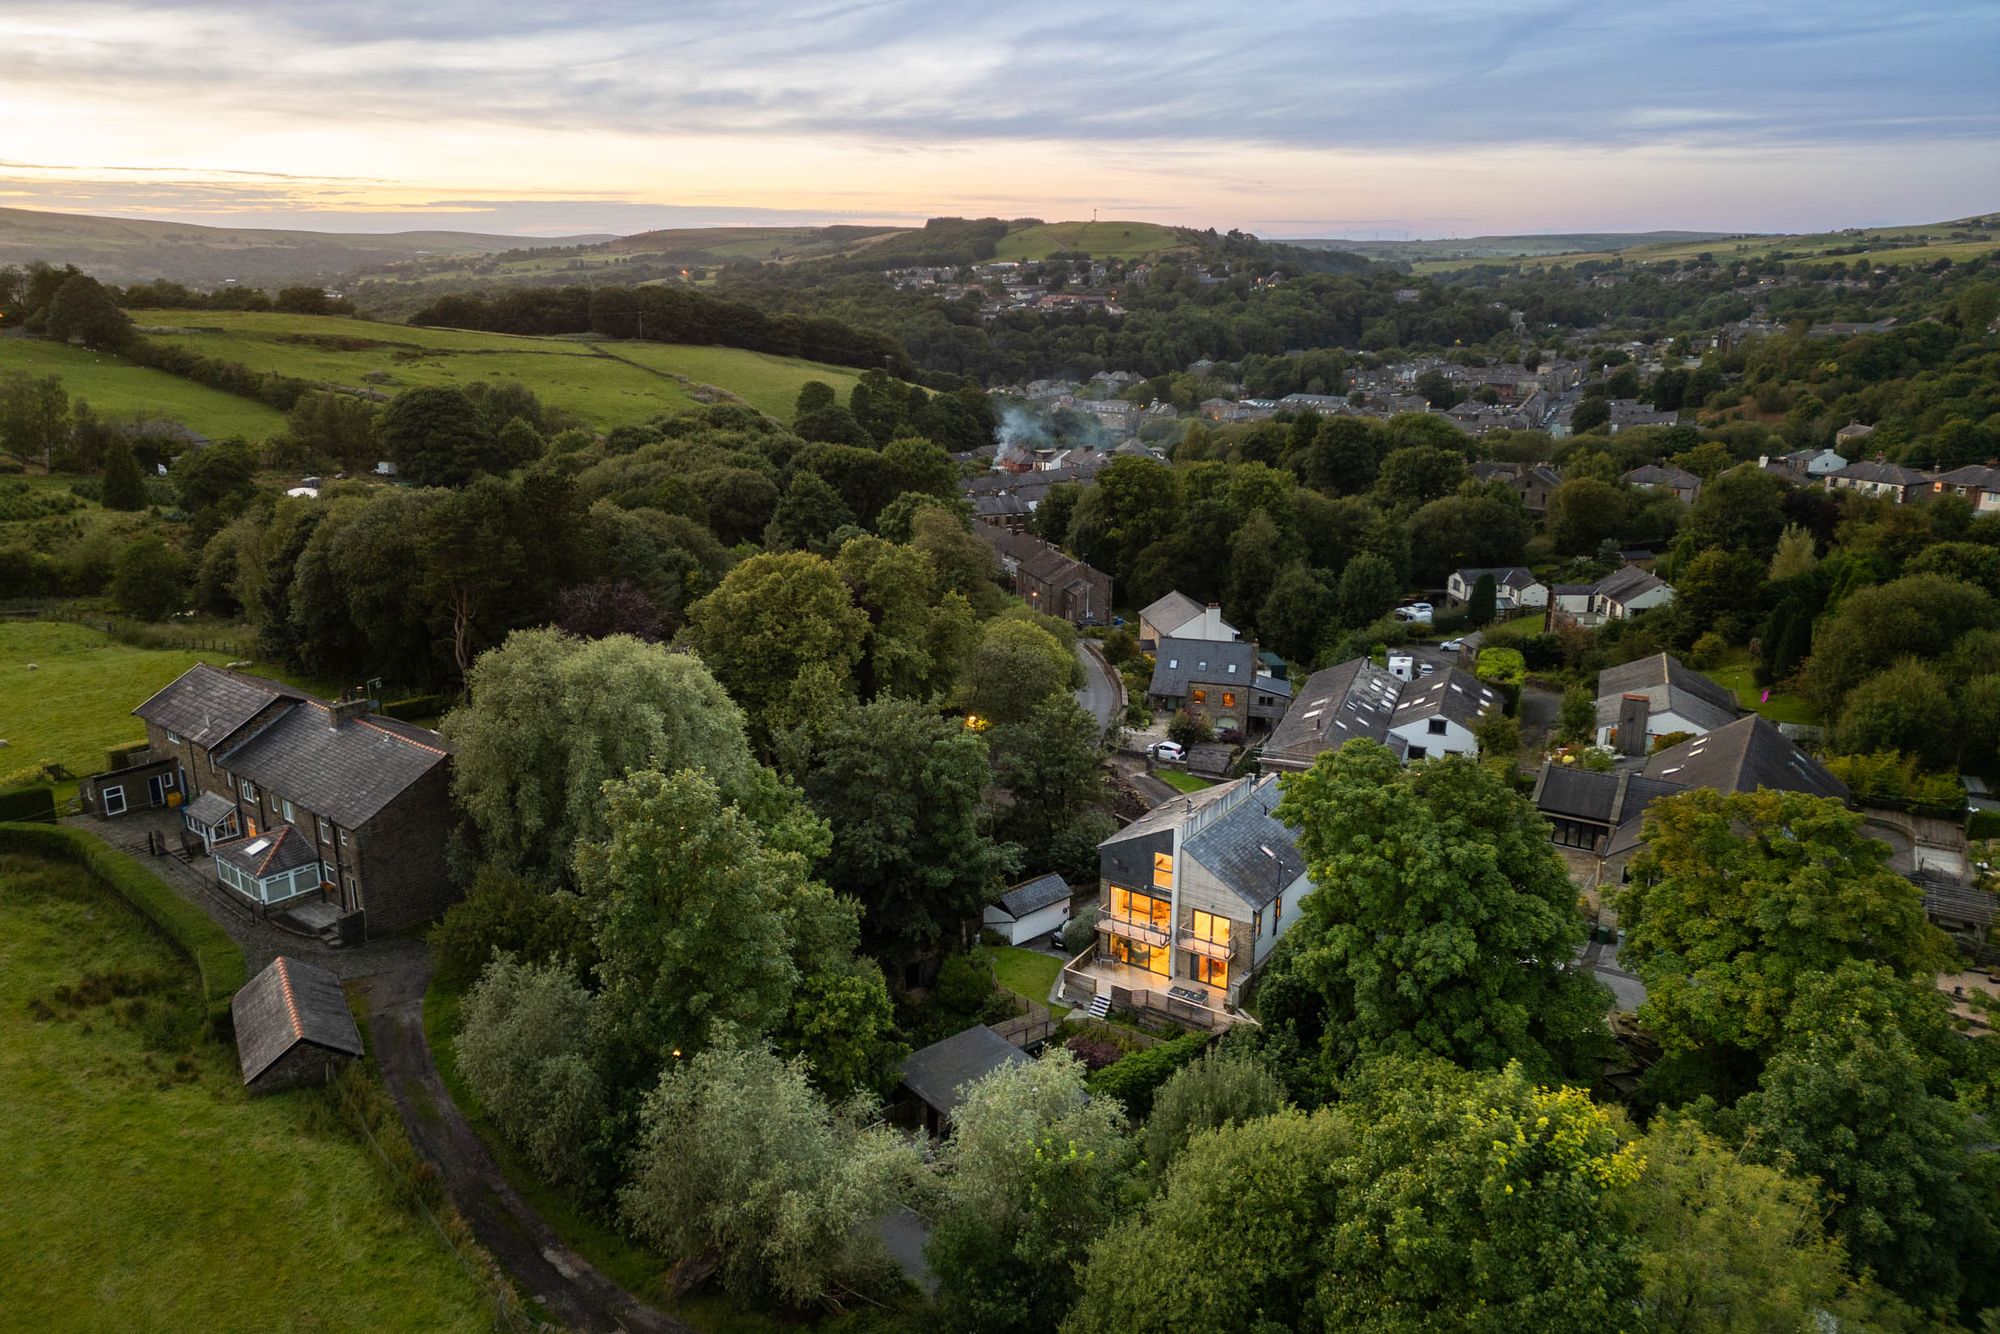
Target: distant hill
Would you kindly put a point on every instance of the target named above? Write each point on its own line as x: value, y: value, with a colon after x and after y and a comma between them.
x: 126, y: 250
x: 1504, y: 247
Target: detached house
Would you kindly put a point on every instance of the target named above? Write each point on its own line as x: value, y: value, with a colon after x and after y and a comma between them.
x: 1515, y: 587
x: 307, y: 804
x: 1655, y: 697
x: 1418, y: 720
x: 1877, y: 477
x: 1193, y: 896
x: 1684, y: 485
x: 1178, y: 616
x: 1222, y: 681
x: 1622, y: 593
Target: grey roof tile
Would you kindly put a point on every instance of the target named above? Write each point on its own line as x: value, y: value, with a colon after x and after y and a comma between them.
x: 290, y: 1002
x: 939, y: 1073
x: 208, y: 704
x: 346, y: 772
x: 1033, y: 895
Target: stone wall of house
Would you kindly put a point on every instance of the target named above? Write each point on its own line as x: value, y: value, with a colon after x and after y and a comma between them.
x: 304, y: 1064
x: 400, y: 856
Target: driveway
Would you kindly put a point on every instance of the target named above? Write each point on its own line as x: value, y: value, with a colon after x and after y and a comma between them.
x: 1102, y: 695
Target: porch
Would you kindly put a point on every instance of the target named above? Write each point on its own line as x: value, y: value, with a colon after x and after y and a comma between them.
x: 1185, y: 1001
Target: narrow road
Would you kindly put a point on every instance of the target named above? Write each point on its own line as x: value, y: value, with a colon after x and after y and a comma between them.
x: 1100, y: 694
x: 572, y: 1289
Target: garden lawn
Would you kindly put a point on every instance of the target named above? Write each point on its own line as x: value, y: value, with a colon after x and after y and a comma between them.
x: 1782, y: 707
x: 119, y: 391
x: 78, y: 700
x: 143, y: 1189
x: 1029, y: 974
x: 1182, y: 781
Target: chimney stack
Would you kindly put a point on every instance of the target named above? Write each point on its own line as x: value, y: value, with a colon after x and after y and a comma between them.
x: 347, y: 709
x: 1632, y: 713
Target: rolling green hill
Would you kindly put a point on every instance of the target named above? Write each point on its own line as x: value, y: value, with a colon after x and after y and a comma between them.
x: 127, y: 250
x: 1478, y: 248
x: 1100, y: 240
x: 119, y: 391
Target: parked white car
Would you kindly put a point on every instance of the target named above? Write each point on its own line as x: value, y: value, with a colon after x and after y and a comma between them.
x: 1169, y: 752
x: 1414, y: 613
x: 1452, y: 645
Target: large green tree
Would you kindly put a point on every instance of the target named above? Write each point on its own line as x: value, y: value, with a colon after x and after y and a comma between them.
x: 904, y: 791
x: 437, y: 436
x: 1442, y: 921
x: 549, y: 720
x: 1737, y: 900
x: 782, y: 633
x: 1015, y: 666
x: 1031, y: 1177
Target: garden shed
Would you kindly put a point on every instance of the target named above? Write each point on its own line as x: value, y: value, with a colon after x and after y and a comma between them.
x: 293, y: 1026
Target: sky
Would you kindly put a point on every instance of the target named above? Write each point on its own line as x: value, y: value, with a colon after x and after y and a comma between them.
x: 1415, y: 119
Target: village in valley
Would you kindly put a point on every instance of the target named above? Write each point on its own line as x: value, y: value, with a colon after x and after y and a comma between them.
x: 597, y: 759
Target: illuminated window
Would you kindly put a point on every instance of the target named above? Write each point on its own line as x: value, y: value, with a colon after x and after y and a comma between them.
x: 1142, y: 909
x: 1198, y: 695
x: 1163, y: 870
x: 1215, y: 972
x: 1228, y: 699
x: 1211, y: 927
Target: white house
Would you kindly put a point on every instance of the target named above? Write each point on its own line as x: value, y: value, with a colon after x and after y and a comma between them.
x: 1435, y: 716
x: 1515, y: 587
x: 1622, y: 593
x: 1659, y: 696
x: 1030, y: 910
x: 1178, y: 616
x: 1877, y: 477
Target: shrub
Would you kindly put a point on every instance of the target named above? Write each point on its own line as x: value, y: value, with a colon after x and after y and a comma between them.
x: 1662, y: 741
x: 1222, y: 1088
x: 31, y: 803
x: 525, y: 1050
x: 1983, y: 825
x: 1708, y: 651
x: 1094, y: 1052
x: 1135, y: 1078
x: 1191, y: 728
x: 1893, y: 779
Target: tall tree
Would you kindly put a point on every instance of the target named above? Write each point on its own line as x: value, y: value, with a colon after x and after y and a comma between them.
x: 782, y: 633
x: 124, y: 489
x: 1442, y: 921
x: 437, y: 436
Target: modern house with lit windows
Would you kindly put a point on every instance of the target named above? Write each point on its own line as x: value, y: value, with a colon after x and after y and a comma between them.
x: 324, y: 811
x: 1193, y: 897
x: 1221, y: 680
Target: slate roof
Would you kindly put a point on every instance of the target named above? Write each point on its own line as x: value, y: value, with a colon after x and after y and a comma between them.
x: 1336, y: 704
x: 1516, y: 577
x: 1661, y: 474
x: 1671, y: 686
x: 1984, y: 476
x: 938, y: 1073
x: 1033, y: 895
x: 1451, y: 693
x: 1600, y: 797
x: 1878, y: 471
x: 211, y: 808
x: 1171, y: 813
x: 1232, y: 844
x: 1748, y: 754
x: 1622, y: 585
x: 207, y: 704
x: 269, y: 854
x: 1177, y: 663
x: 346, y: 772
x: 288, y: 1003
x: 1171, y: 612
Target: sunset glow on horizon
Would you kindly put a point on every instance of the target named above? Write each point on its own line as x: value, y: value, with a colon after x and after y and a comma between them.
x: 1438, y: 119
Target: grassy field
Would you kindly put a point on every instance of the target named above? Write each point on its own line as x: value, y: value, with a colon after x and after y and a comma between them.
x: 117, y: 390
x: 1919, y: 243
x: 769, y: 384
x: 1782, y: 707
x: 79, y: 697
x: 604, y: 383
x: 1101, y: 240
x: 144, y: 1190
x: 1029, y: 974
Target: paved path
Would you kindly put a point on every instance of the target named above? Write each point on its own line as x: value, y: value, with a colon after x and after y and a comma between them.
x: 1132, y: 771
x: 1101, y: 694
x: 569, y: 1286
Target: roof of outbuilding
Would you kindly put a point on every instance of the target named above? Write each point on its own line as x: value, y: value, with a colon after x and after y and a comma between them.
x: 208, y: 704
x: 1034, y: 895
x: 1626, y: 583
x: 1179, y: 663
x: 288, y: 1003
x: 1516, y: 577
x: 939, y: 1073
x: 346, y: 771
x: 1246, y: 848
